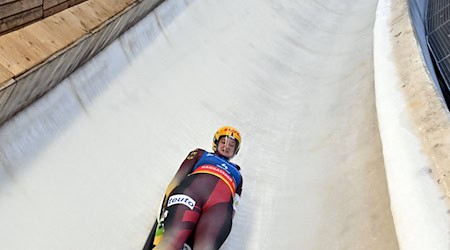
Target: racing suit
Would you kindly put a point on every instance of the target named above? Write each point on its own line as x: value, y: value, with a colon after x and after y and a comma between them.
x: 201, y: 199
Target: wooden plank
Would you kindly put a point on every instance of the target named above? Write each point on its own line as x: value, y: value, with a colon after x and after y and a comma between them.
x: 47, y: 4
x: 114, y: 6
x: 95, y: 12
x: 17, y: 54
x: 23, y: 49
x: 55, y: 9
x: 61, y: 30
x: 16, y: 21
x: 75, y: 2
x: 13, y: 8
x: 19, y: 20
x: 5, y: 76
x: 7, y: 1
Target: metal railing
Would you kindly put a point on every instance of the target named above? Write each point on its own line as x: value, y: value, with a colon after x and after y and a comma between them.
x: 438, y: 38
x: 431, y: 22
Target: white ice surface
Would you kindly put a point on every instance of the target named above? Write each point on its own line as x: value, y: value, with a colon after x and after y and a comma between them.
x: 85, y: 166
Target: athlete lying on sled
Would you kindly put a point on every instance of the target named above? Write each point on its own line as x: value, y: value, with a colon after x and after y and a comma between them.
x: 201, y: 199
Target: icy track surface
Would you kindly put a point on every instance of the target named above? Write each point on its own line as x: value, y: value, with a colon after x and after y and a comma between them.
x: 85, y: 167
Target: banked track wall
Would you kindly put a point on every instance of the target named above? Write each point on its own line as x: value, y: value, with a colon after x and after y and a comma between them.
x: 103, y: 171
x: 33, y: 80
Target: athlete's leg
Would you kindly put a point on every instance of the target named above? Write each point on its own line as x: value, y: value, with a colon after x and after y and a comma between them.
x: 214, y: 224
x: 178, y: 225
x: 213, y: 227
x: 213, y: 201
x: 184, y: 208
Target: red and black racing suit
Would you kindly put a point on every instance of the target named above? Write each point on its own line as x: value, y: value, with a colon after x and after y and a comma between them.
x: 202, y: 202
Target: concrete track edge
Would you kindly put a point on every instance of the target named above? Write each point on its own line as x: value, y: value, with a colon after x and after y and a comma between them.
x: 419, y: 207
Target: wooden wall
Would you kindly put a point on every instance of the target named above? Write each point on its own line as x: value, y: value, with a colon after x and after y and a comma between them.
x: 15, y: 14
x: 35, y: 58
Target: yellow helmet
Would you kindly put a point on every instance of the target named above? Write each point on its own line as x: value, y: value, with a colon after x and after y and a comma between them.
x: 229, y: 132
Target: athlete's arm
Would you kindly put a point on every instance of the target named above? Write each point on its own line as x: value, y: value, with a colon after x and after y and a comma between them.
x: 237, y: 195
x: 185, y: 168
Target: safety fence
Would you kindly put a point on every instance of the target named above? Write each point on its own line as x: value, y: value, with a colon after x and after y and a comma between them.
x: 438, y: 36
x: 422, y: 11
x: 18, y: 13
x: 431, y: 19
